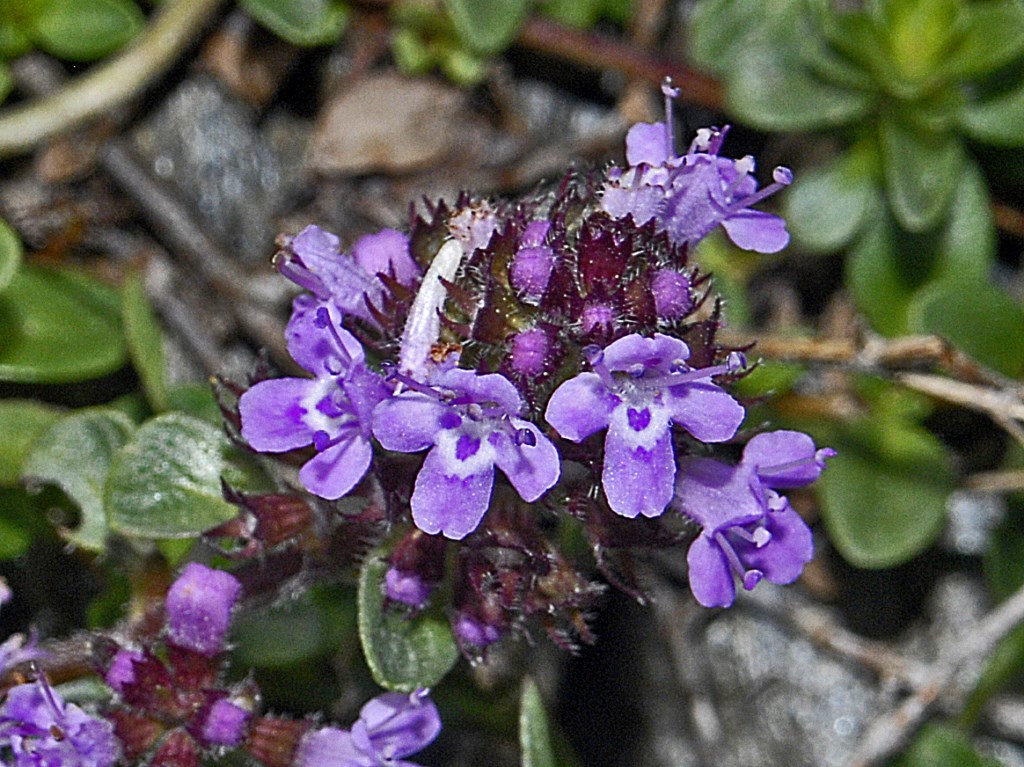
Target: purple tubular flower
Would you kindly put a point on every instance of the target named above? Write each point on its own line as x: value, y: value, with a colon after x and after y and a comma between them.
x: 198, y: 608
x: 314, y: 261
x: 639, y: 388
x: 474, y: 633
x: 471, y: 424
x: 121, y: 672
x: 690, y: 195
x: 390, y: 727
x: 43, y: 730
x: 224, y: 723
x: 331, y: 411
x: 749, y: 530
x: 407, y: 587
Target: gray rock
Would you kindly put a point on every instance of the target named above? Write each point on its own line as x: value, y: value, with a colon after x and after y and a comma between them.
x: 205, y: 144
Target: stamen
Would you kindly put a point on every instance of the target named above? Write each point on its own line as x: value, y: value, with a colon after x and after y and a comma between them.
x: 392, y: 373
x: 292, y: 269
x: 783, y: 177
x: 670, y: 94
x: 323, y: 321
x: 595, y: 356
x: 759, y: 537
x: 751, y: 577
x: 733, y: 363
x: 744, y: 167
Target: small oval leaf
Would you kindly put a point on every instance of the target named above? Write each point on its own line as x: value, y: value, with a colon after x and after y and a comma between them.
x: 84, y: 30
x: 75, y: 454
x: 884, y: 494
x: 403, y: 653
x: 301, y: 22
x: 487, y: 26
x: 166, y: 482
x: 58, y: 326
x: 21, y: 421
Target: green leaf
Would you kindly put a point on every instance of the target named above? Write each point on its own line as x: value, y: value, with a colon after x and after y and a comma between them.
x: 75, y: 455
x: 771, y: 88
x: 85, y: 30
x: 720, y: 30
x: 938, y: 746
x: 316, y: 623
x: 145, y: 341
x: 534, y: 736
x: 967, y: 249
x: 918, y: 33
x: 21, y: 421
x: 301, y: 22
x: 983, y: 322
x: 825, y: 207
x: 581, y: 14
x: 487, y: 26
x: 873, y: 274
x: 13, y: 40
x: 403, y: 653
x: 922, y: 168
x: 10, y: 249
x: 992, y: 35
x: 884, y: 494
x: 6, y: 85
x: 996, y: 120
x: 23, y: 519
x: 194, y: 399
x: 166, y: 482
x: 58, y: 326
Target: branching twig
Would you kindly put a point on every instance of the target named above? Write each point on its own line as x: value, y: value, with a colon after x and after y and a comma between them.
x: 89, y: 96
x: 890, y: 732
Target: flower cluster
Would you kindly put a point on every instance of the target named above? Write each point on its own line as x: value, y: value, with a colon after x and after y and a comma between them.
x: 172, y: 707
x: 563, y: 340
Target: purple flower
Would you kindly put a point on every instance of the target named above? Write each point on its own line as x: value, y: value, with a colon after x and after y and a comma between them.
x: 690, y: 195
x: 121, y: 672
x: 314, y: 261
x: 390, y: 727
x: 471, y: 424
x: 331, y: 411
x: 15, y: 651
x: 198, y: 608
x: 749, y: 530
x: 224, y: 723
x: 532, y: 264
x: 42, y: 730
x: 639, y: 388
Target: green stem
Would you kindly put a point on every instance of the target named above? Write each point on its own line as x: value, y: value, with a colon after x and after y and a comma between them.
x: 175, y: 26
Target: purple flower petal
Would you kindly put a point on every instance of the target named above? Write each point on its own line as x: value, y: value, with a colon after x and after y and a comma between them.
x: 757, y: 231
x: 648, y: 143
x: 783, y: 458
x: 315, y: 347
x: 580, y: 407
x: 273, y: 413
x: 791, y: 546
x: 711, y: 580
x: 407, y: 423
x: 387, y: 252
x: 716, y: 495
x: 660, y: 351
x: 334, y: 472
x: 398, y: 724
x: 198, y: 608
x: 492, y: 387
x: 448, y: 504
x: 708, y: 412
x: 638, y: 480
x: 331, y: 747
x: 639, y: 201
x: 532, y: 469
